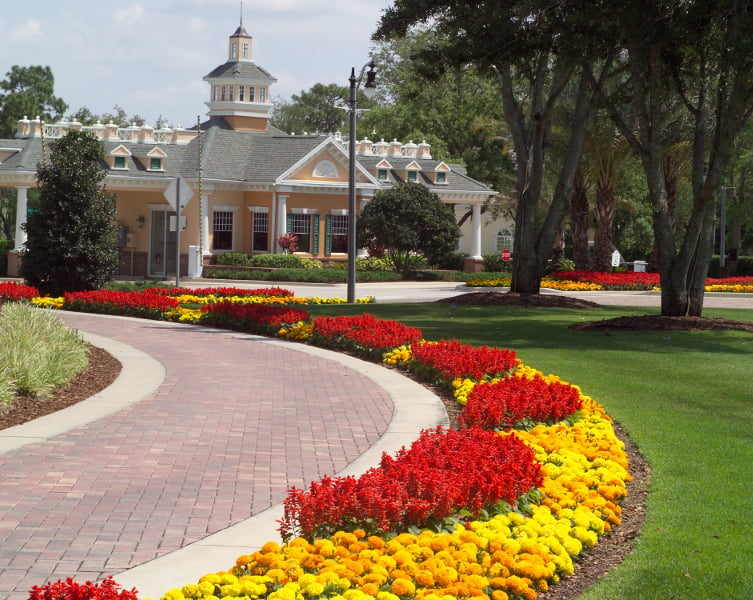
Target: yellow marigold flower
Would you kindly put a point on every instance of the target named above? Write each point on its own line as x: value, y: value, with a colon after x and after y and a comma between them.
x: 403, y: 587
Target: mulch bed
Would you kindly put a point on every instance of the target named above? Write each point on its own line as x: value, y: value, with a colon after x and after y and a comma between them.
x: 102, y: 371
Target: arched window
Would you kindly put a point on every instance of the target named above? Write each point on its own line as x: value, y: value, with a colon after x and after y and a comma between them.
x: 504, y: 240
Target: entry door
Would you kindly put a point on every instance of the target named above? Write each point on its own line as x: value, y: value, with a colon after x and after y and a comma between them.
x: 162, y: 244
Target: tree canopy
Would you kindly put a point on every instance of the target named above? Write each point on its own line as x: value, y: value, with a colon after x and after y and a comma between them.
x: 647, y: 64
x: 28, y: 92
x: 405, y: 220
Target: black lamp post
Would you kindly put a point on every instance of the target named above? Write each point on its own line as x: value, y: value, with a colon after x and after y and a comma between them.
x: 355, y: 83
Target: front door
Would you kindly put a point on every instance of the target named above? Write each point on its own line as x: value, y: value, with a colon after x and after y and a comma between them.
x: 162, y: 244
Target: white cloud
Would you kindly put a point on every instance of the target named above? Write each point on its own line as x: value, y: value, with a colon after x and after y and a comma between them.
x: 28, y: 31
x: 128, y: 17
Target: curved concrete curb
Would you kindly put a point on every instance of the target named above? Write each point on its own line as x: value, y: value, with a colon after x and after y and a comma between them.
x: 415, y: 409
x: 139, y: 379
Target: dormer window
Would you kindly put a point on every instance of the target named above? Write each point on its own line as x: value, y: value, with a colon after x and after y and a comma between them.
x: 155, y: 164
x: 119, y: 162
x: 382, y: 174
x: 442, y: 177
x: 412, y: 176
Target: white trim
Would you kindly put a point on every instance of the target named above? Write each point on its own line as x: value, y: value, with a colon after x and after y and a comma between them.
x: 339, y: 211
x: 304, y: 211
x: 223, y: 208
x: 258, y: 209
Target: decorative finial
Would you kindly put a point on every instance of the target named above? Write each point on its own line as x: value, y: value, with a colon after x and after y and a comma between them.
x: 241, y: 13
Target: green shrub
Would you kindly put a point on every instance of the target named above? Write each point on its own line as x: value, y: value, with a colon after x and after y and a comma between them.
x: 311, y: 263
x: 137, y: 286
x: 38, y: 354
x: 453, y: 261
x: 493, y: 262
x: 372, y: 264
x: 323, y: 275
x: 235, y: 259
x: 275, y: 261
x: 745, y: 266
x: 561, y: 264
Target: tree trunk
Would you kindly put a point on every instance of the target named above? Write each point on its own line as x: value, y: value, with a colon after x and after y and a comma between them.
x: 670, y: 171
x: 579, y: 213
x: 605, y: 205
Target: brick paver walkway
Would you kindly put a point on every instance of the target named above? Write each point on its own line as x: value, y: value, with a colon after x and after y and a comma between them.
x: 237, y: 421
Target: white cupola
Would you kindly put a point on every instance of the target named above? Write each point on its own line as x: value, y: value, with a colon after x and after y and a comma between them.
x: 239, y: 88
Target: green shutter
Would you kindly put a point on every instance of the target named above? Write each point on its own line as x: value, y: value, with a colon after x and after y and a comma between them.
x: 289, y: 226
x: 328, y: 234
x: 316, y: 234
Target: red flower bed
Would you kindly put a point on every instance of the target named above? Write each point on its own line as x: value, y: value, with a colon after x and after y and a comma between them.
x: 250, y: 317
x: 443, y: 472
x: 448, y: 359
x: 503, y: 404
x: 622, y: 280
x: 108, y: 589
x: 363, y: 334
x: 137, y: 304
x: 10, y: 291
x: 730, y: 281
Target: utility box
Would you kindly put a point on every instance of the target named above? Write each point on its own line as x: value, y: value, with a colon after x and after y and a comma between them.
x: 639, y: 266
x: 194, y: 262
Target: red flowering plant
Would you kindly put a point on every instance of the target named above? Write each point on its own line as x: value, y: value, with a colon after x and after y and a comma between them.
x: 364, y: 335
x: 146, y: 304
x: 443, y: 474
x: 254, y: 318
x: 515, y: 401
x: 11, y: 291
x: 288, y: 242
x: 443, y: 361
x: 625, y: 280
x: 107, y: 589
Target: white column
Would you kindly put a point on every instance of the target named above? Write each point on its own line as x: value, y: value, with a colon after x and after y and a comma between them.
x: 282, y: 219
x: 21, y: 208
x: 205, y: 224
x: 476, y: 233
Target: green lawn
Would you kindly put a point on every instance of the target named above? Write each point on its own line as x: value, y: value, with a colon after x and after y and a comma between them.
x: 685, y: 398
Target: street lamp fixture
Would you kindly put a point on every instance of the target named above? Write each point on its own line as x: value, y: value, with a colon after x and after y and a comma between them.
x: 369, y: 88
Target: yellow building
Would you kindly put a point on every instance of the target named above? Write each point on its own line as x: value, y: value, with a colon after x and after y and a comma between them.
x: 249, y: 182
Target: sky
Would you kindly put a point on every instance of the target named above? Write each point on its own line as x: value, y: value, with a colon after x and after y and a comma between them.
x: 150, y: 58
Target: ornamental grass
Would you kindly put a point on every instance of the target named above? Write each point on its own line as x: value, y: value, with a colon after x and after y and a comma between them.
x: 38, y: 354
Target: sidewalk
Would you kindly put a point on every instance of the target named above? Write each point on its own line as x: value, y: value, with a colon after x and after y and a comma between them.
x: 180, y: 466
